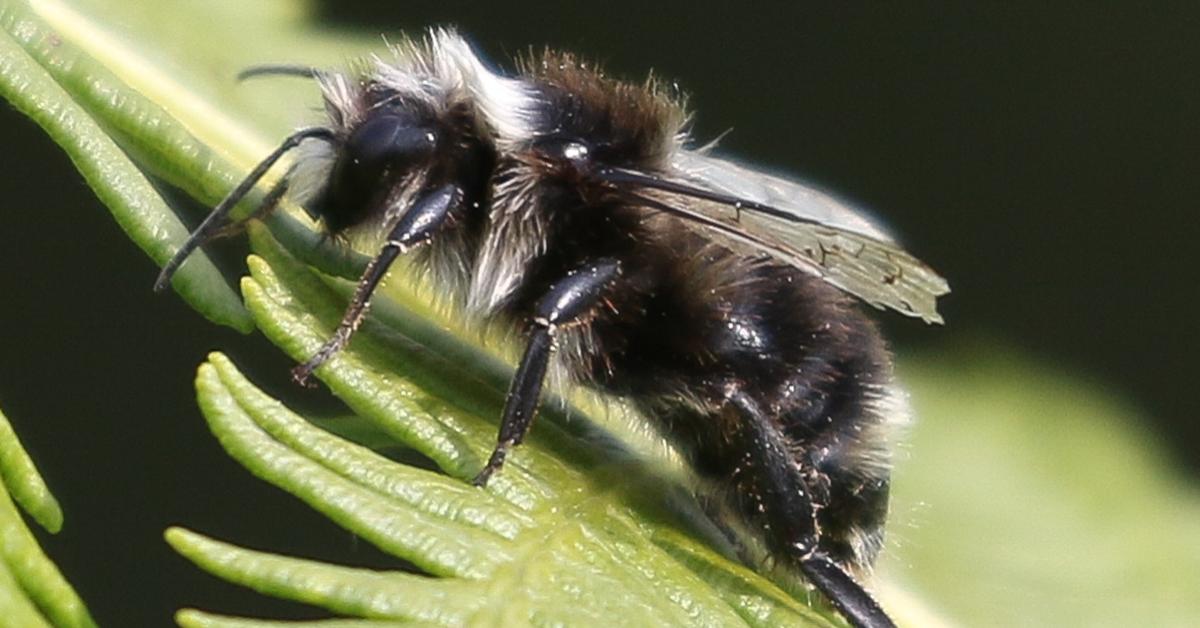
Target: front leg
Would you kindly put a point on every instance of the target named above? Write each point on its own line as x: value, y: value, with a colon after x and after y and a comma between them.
x: 568, y: 302
x: 216, y: 218
x: 416, y: 227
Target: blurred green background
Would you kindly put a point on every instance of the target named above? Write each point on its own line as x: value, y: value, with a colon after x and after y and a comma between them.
x: 1043, y: 158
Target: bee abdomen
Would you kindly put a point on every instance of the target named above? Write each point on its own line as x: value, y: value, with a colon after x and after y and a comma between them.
x: 809, y: 361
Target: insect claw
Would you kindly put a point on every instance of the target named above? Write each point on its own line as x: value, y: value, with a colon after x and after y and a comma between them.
x: 303, y: 375
x: 481, y: 480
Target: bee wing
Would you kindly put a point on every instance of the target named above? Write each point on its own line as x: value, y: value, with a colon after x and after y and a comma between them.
x: 876, y: 271
x: 798, y: 225
x: 719, y: 175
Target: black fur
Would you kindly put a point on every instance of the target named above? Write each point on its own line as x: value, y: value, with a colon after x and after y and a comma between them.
x: 690, y: 320
x: 764, y: 375
x: 769, y: 379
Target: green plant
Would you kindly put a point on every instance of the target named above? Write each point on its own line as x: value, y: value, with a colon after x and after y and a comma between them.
x: 133, y: 91
x: 32, y: 591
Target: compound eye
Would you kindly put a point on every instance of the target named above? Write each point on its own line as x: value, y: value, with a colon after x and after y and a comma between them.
x: 386, y: 144
x: 389, y: 140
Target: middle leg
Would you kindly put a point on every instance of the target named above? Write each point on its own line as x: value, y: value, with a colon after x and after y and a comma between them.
x: 568, y: 302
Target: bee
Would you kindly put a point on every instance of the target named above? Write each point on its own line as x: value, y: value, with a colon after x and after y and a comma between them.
x: 571, y: 208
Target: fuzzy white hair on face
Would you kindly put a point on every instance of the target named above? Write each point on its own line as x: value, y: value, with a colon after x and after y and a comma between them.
x: 309, y: 174
x: 443, y: 68
x: 439, y: 71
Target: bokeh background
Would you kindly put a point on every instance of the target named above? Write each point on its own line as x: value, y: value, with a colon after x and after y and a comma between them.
x: 1044, y: 158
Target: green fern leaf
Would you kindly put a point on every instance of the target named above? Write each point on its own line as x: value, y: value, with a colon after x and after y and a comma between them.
x: 32, y: 591
x: 577, y: 528
x: 550, y: 541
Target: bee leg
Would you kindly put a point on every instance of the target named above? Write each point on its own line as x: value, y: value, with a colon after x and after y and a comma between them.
x: 219, y: 213
x: 268, y: 205
x: 568, y: 302
x: 775, y: 496
x: 416, y: 227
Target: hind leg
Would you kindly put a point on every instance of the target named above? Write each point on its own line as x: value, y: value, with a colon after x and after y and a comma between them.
x: 771, y: 492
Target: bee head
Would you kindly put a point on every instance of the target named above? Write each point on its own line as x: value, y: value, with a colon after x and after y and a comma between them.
x: 400, y: 125
x: 391, y: 146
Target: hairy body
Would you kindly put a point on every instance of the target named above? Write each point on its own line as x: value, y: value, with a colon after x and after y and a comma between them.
x: 567, y: 206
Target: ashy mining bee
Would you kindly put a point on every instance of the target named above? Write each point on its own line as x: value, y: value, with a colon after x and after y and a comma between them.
x: 717, y: 300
